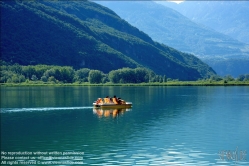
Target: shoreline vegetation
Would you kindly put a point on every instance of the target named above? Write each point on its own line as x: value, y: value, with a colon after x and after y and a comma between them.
x: 169, y: 83
x: 50, y: 75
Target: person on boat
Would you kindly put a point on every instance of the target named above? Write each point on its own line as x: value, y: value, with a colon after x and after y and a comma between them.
x: 99, y: 101
x: 107, y: 99
x: 121, y: 101
x: 115, y: 100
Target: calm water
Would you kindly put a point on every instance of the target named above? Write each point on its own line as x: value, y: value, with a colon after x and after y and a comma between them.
x: 166, y: 125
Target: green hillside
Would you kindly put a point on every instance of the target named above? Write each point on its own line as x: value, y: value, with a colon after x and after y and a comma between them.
x: 84, y: 34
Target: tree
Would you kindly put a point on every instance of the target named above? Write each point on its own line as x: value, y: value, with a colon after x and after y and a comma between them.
x: 114, y: 76
x: 243, y: 77
x: 44, y: 79
x: 34, y: 78
x: 81, y: 75
x: 6, y: 76
x: 28, y: 71
x: 17, y: 78
x: 164, y: 78
x: 160, y: 79
x: 246, y: 77
x: 16, y: 68
x: 41, y: 69
x: 52, y: 79
x: 128, y: 75
x: 95, y: 76
x: 228, y: 78
x: 215, y: 78
x: 67, y: 74
x: 49, y: 73
x: 142, y: 75
x: 105, y: 78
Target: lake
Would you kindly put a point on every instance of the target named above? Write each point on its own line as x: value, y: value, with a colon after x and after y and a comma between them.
x: 165, y: 126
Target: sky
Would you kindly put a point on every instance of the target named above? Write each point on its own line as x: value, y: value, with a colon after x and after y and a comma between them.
x: 177, y: 2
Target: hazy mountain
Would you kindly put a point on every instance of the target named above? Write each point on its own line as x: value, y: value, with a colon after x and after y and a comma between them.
x: 227, y: 17
x: 85, y: 34
x: 168, y: 26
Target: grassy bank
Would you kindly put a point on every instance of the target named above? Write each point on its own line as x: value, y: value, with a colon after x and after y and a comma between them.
x: 169, y: 83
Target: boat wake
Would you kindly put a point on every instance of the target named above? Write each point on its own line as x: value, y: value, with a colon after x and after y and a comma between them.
x: 9, y: 110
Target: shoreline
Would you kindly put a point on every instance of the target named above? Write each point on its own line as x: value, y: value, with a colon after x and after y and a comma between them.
x: 171, y: 83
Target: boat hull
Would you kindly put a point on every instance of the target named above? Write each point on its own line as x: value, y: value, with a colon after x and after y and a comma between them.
x: 111, y: 105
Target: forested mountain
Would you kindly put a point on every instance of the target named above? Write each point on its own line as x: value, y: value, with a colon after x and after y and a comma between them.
x: 223, y: 53
x: 227, y: 17
x: 84, y: 34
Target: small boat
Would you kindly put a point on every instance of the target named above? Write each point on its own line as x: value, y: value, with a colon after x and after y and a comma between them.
x: 107, y: 103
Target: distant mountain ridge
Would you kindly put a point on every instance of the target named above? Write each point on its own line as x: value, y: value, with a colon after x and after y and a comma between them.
x: 84, y: 34
x: 227, y: 17
x: 224, y: 54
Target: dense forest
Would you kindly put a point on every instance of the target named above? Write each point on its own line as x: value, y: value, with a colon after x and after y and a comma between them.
x: 83, y: 34
x: 64, y: 74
